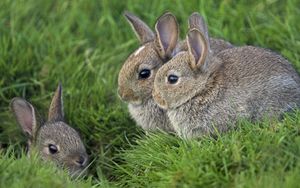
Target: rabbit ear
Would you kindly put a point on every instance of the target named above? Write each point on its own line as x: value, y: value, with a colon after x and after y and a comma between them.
x: 197, y: 21
x: 25, y: 115
x: 198, y: 49
x: 167, y: 32
x: 56, y: 112
x: 142, y: 31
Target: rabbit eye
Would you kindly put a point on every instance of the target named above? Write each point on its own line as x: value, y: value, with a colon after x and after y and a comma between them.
x: 144, y: 74
x: 52, y: 149
x: 172, y: 79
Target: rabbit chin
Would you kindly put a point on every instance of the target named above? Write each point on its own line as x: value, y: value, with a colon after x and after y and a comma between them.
x: 140, y: 101
x: 136, y: 102
x: 167, y: 105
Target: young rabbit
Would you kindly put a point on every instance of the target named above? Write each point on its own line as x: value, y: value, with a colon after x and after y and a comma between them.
x: 54, y: 140
x: 137, y: 75
x: 202, y: 92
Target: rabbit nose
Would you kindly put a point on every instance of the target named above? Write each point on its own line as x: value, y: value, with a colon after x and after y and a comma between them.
x: 81, y: 160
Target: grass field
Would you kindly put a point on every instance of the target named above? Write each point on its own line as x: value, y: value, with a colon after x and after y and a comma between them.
x: 84, y: 43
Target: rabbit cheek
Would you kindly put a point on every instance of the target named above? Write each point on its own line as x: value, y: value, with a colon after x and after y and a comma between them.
x: 159, y: 100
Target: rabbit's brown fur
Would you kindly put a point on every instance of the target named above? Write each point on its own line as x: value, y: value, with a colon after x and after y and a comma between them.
x: 53, y: 135
x: 214, y: 91
x: 156, y: 49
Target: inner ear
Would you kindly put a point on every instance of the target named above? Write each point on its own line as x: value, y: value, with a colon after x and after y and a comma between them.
x: 167, y: 32
x: 197, y: 48
x: 25, y: 115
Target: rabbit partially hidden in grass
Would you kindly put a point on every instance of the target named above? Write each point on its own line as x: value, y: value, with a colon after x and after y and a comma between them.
x: 203, y: 93
x: 136, y: 78
x: 54, y: 140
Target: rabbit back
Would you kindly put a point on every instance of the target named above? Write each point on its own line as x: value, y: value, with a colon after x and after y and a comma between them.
x: 262, y: 81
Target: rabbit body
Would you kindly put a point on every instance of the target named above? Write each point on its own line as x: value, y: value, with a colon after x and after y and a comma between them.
x: 242, y: 82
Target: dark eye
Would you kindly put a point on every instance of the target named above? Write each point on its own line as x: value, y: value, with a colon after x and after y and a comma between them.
x: 172, y: 79
x: 144, y: 74
x: 52, y: 149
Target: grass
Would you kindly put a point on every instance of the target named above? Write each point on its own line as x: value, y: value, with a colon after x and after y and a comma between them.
x: 249, y: 157
x: 24, y: 172
x: 84, y: 43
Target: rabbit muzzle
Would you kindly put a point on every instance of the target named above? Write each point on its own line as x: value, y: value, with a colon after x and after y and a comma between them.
x: 80, y: 160
x: 128, y: 95
x: 76, y: 163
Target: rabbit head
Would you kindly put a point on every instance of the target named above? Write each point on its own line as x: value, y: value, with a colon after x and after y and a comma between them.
x: 136, y: 77
x: 187, y: 74
x: 54, y: 140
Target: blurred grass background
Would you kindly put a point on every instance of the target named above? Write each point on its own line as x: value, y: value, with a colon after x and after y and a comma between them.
x: 83, y: 44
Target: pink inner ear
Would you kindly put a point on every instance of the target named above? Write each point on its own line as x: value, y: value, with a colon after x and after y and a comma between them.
x: 25, y: 119
x: 28, y: 122
x: 25, y: 116
x: 166, y: 28
x: 164, y: 36
x: 165, y: 40
x: 195, y: 47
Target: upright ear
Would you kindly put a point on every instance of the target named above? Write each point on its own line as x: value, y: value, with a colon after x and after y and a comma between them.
x: 56, y: 112
x: 196, y: 21
x: 25, y: 115
x: 167, y: 32
x: 198, y: 49
x: 141, y: 30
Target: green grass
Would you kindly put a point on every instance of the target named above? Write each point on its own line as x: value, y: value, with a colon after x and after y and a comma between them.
x: 24, y: 172
x: 249, y: 157
x: 84, y: 43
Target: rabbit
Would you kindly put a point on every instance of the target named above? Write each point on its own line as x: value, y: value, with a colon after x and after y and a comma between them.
x: 54, y: 140
x: 136, y: 77
x: 205, y: 94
